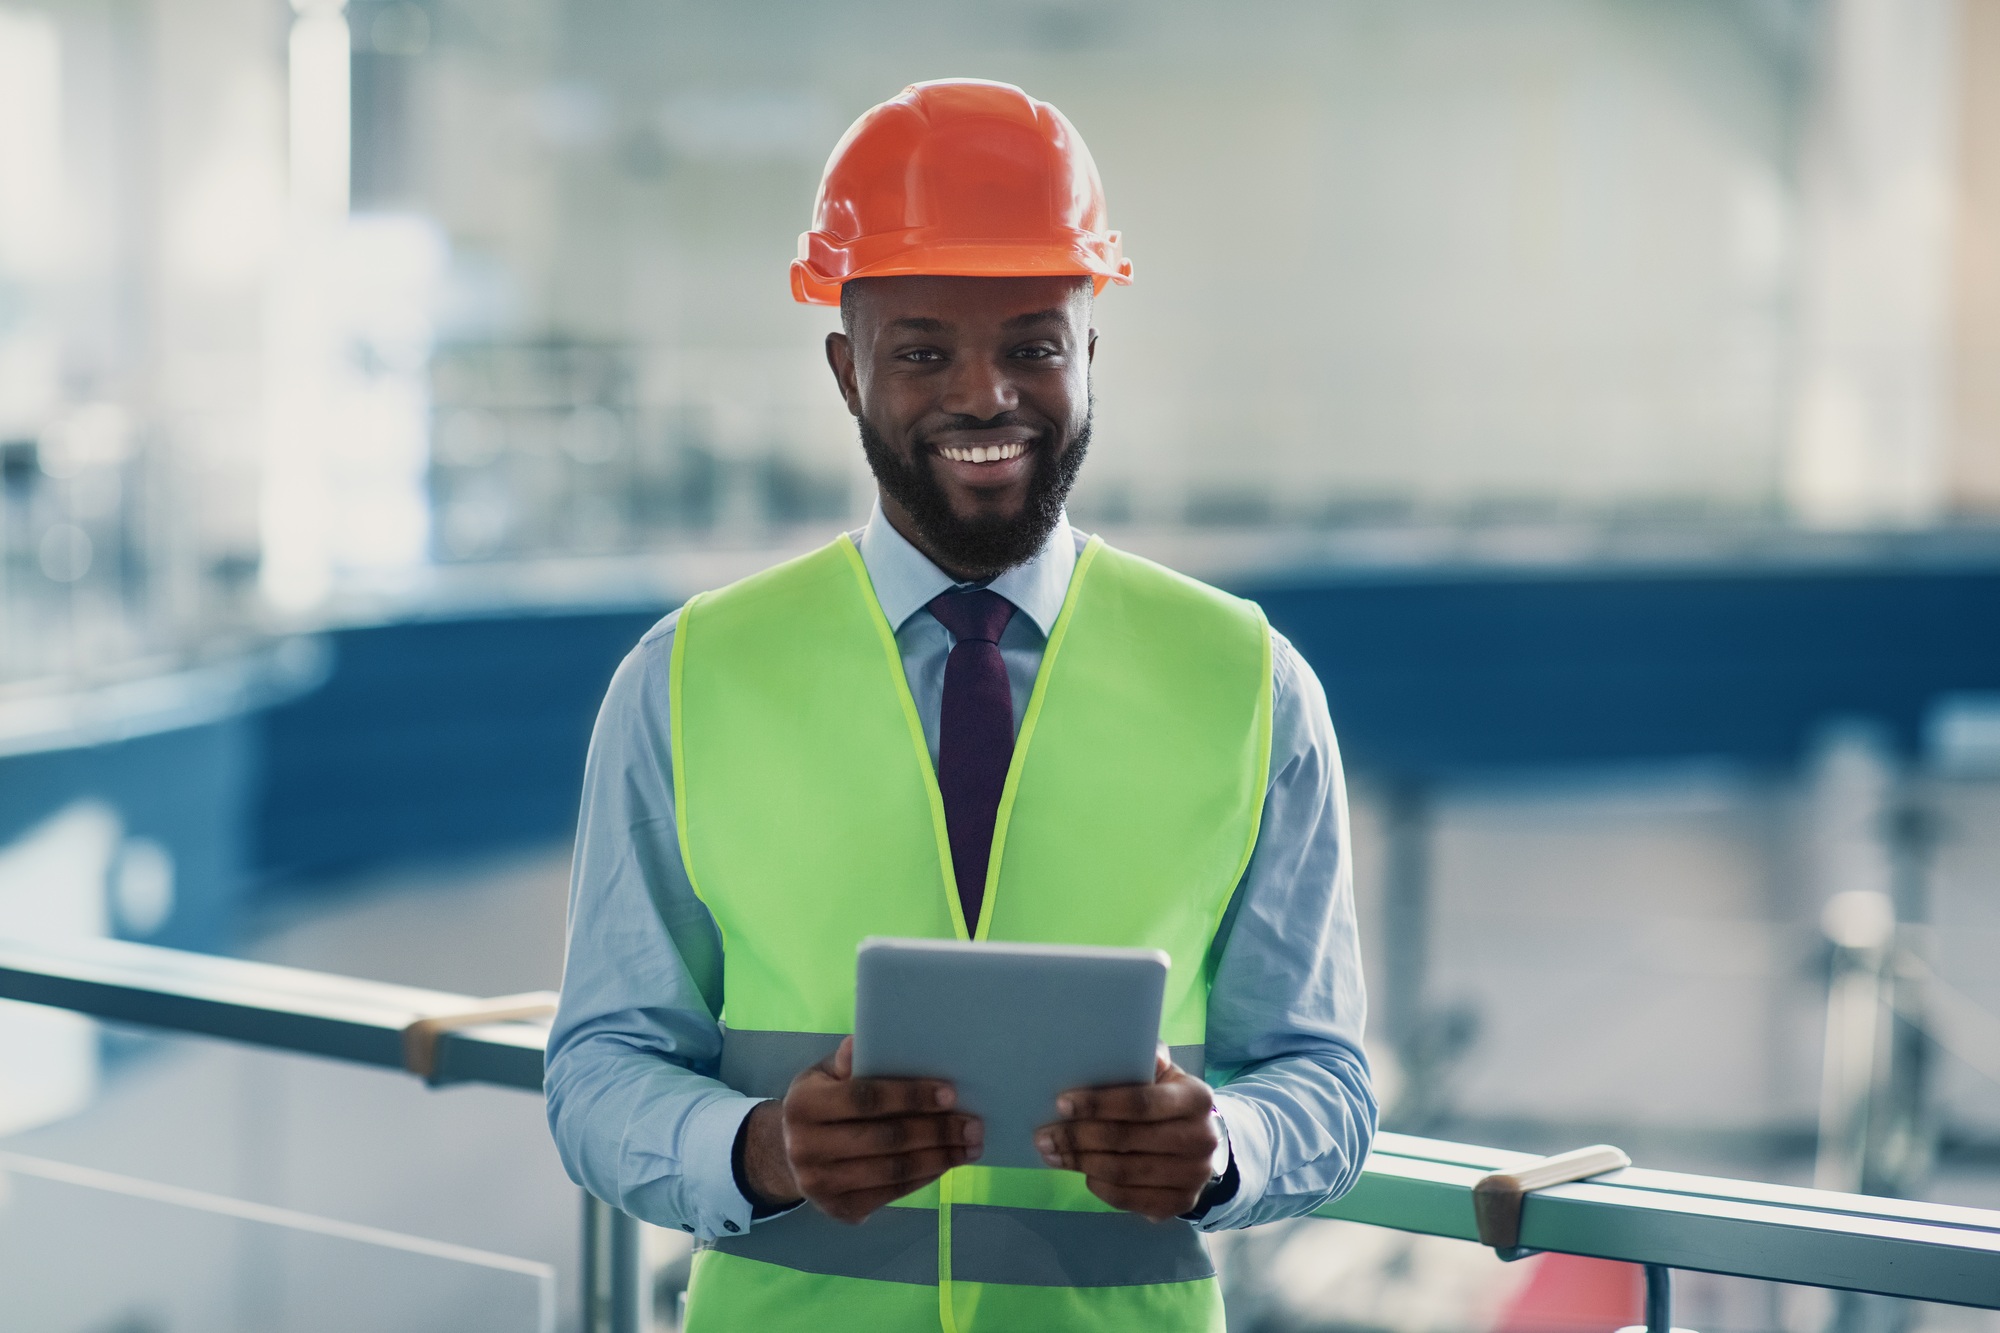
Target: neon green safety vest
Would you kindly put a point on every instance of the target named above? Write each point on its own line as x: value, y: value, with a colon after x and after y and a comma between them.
x: 810, y: 818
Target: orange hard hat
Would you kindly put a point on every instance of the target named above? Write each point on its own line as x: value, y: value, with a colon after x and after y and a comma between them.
x: 959, y: 177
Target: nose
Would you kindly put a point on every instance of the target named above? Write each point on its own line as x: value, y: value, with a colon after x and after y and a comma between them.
x: 980, y: 388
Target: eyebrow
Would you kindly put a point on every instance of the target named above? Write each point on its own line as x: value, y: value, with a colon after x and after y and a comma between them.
x: 925, y: 324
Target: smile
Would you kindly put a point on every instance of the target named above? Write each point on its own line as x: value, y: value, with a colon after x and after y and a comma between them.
x: 985, y: 453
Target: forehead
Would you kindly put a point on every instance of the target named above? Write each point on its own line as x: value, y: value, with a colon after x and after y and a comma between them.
x: 970, y: 303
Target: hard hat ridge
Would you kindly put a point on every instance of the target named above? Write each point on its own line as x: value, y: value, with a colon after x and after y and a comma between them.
x: 959, y: 177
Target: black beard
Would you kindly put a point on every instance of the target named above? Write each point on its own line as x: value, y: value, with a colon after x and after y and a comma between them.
x: 982, y: 547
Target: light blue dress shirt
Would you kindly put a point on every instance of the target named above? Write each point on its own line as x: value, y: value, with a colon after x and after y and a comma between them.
x: 637, y: 1112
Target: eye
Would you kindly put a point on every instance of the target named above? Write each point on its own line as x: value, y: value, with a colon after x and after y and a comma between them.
x: 920, y: 355
x: 1037, y: 352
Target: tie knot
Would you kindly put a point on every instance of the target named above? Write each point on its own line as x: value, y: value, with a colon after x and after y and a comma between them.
x: 980, y: 614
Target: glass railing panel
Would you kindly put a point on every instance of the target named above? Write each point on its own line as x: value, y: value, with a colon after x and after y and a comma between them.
x: 84, y: 1250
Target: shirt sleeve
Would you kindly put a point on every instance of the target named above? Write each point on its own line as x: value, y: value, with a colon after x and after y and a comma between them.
x: 1287, y: 1005
x: 638, y: 1116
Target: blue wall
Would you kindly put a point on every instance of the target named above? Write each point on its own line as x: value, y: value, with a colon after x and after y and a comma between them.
x: 1444, y: 674
x: 189, y: 789
x: 437, y: 738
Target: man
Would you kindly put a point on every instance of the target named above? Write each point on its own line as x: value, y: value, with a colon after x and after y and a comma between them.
x: 963, y: 721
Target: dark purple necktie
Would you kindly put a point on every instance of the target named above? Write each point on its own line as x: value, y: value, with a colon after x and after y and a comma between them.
x: 975, y: 735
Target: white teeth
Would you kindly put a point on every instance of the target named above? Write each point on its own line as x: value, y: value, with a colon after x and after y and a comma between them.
x: 985, y: 453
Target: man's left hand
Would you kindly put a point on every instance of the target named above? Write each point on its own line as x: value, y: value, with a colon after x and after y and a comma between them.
x: 1145, y: 1148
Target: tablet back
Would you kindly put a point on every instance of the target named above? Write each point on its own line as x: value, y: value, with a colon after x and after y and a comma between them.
x: 1010, y: 1025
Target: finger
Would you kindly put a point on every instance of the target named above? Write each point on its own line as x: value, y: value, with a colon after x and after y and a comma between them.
x: 825, y: 1099
x: 875, y: 1173
x: 1192, y: 1137
x: 1163, y: 1062
x: 1177, y: 1095
x: 1158, y: 1204
x: 846, y: 1139
x: 843, y: 1059
x: 857, y: 1207
x: 1141, y: 1170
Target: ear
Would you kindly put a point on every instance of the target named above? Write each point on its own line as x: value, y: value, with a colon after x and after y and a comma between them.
x: 840, y: 359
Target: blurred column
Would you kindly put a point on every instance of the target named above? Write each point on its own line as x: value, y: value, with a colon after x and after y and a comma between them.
x: 1973, y: 472
x: 1876, y: 183
x: 352, y: 314
x: 296, y: 520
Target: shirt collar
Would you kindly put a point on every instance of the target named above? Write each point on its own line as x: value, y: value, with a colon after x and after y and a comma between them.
x: 905, y: 579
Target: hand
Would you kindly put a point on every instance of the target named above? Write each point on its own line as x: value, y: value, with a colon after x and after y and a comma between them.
x: 851, y: 1145
x: 1145, y: 1148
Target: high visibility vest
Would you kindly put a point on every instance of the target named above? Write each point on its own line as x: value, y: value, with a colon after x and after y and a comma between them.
x: 810, y: 818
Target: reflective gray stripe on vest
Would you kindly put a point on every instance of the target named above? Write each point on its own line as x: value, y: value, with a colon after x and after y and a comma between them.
x: 1036, y: 1247
x: 1027, y: 1247
x: 764, y: 1063
x: 894, y: 1245
x: 1017, y: 1246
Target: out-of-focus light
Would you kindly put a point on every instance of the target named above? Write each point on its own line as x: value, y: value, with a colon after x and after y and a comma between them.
x: 226, y: 221
x: 66, y: 552
x: 95, y: 435
x: 345, y: 483
x: 1962, y: 735
x: 142, y: 887
x: 321, y: 130
x: 52, y: 887
x: 31, y: 177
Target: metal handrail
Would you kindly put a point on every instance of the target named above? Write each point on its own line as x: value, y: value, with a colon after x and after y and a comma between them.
x: 1780, y: 1233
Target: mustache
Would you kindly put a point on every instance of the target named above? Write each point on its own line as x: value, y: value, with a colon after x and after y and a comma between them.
x: 1043, y: 430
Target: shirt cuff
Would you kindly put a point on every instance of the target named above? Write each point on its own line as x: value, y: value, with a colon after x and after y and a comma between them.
x: 702, y: 1190
x: 1249, y: 1157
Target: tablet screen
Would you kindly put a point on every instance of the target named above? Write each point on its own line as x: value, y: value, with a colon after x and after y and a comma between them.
x: 1011, y: 1026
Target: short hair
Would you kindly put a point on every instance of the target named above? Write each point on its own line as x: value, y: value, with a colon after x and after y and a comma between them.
x: 847, y: 294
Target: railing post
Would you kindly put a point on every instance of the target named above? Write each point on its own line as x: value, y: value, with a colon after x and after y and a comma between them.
x: 616, y: 1287
x: 1659, y: 1302
x: 1659, y: 1299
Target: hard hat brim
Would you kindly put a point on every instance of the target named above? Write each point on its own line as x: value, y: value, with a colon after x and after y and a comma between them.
x: 824, y: 265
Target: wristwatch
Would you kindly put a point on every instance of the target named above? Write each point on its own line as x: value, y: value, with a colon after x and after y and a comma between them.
x: 1222, y: 1178
x: 1218, y: 1162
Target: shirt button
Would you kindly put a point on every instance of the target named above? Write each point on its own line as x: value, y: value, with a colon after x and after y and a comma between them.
x: 731, y: 1226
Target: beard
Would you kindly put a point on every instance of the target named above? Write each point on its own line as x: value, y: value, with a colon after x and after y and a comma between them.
x: 980, y: 546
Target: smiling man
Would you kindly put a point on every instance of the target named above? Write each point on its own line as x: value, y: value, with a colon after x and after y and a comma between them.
x: 965, y: 720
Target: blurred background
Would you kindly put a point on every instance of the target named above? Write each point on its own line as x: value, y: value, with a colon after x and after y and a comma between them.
x: 1604, y: 395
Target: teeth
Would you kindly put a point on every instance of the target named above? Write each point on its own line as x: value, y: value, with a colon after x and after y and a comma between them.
x: 985, y: 453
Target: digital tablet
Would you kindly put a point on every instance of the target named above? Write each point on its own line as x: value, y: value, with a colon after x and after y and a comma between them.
x: 1012, y: 1026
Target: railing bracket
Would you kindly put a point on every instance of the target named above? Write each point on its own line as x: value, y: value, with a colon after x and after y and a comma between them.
x: 420, y: 1038
x: 1497, y: 1200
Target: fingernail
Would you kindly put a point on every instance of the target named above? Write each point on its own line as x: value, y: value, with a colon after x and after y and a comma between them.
x: 974, y: 1153
x: 1066, y: 1105
x: 975, y: 1133
x: 946, y: 1096
x: 1051, y: 1159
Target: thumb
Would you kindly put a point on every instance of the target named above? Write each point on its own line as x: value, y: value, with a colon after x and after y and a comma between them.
x: 1163, y: 1064
x: 842, y: 1064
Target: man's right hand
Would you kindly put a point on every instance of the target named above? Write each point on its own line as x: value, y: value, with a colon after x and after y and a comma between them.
x: 851, y: 1145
